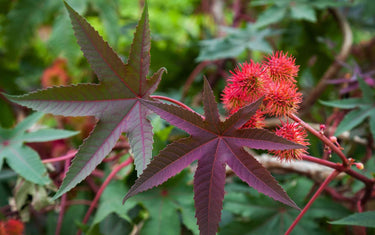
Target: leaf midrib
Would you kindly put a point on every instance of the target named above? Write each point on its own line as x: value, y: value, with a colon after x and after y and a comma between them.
x: 113, y: 130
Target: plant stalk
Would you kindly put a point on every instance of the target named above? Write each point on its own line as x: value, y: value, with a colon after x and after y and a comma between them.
x: 317, y: 193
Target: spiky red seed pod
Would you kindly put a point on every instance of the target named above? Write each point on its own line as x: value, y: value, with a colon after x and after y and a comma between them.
x: 295, y: 133
x: 256, y: 121
x: 281, y: 99
x: 244, y: 86
x: 281, y: 67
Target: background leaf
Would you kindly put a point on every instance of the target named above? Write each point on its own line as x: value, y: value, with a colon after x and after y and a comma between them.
x: 26, y: 162
x: 110, y: 202
x: 343, y: 104
x: 44, y: 135
x: 23, y: 159
x: 303, y: 12
x: 271, y: 15
x: 358, y: 219
x: 353, y: 119
x: 20, y: 29
x: 235, y: 42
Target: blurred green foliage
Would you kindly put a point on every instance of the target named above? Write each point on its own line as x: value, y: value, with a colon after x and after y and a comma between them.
x: 185, y: 33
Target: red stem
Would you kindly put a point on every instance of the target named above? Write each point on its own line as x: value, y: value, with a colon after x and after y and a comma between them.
x: 174, y: 101
x: 101, y: 189
x: 340, y: 168
x: 323, y: 138
x: 97, y: 173
x: 63, y: 203
x: 67, y: 156
x: 317, y: 193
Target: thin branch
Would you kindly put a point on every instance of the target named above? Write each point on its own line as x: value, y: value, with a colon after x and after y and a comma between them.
x: 367, y: 181
x: 67, y: 156
x: 159, y: 97
x: 102, y: 188
x: 63, y: 203
x: 317, y: 193
x: 335, y: 66
x: 323, y: 138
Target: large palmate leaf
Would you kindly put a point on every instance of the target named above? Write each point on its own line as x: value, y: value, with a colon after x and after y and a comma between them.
x: 214, y: 143
x: 363, y: 108
x: 115, y: 101
x: 23, y: 159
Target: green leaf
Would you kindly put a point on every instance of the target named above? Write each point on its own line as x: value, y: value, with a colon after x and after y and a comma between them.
x: 303, y: 12
x: 365, y: 219
x: 22, y: 21
x: 165, y: 203
x: 219, y: 48
x: 235, y: 42
x: 271, y: 15
x: 253, y: 213
x: 110, y: 202
x: 323, y: 4
x: 22, y: 159
x: 7, y: 115
x: 64, y: 46
x: 372, y: 124
x: 353, y: 119
x: 163, y: 217
x: 44, y: 135
x: 188, y: 219
x: 26, y: 162
x: 27, y: 123
x: 109, y: 15
x: 344, y: 104
x: 2, y: 156
x: 367, y: 92
x: 116, y: 225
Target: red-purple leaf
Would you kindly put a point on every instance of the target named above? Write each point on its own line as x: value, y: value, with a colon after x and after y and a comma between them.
x: 168, y: 163
x: 213, y: 143
x: 209, y: 181
x: 115, y: 101
x: 239, y: 118
x: 103, y: 60
x: 255, y: 175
